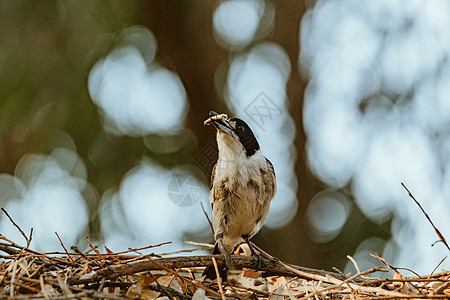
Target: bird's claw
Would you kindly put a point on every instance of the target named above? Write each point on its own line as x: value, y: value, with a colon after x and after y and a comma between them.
x: 255, y: 255
x: 227, y: 257
x: 258, y: 259
x: 225, y: 253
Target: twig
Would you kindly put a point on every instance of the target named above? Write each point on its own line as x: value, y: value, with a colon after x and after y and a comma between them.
x: 205, y: 245
x: 440, y: 263
x: 359, y: 274
x: 2, y: 237
x: 442, y: 287
x: 377, y: 255
x: 263, y: 253
x: 10, y: 248
x: 77, y: 250
x: 411, y: 297
x: 199, y: 285
x: 159, y: 287
x: 63, y: 285
x: 166, y: 290
x: 270, y: 266
x: 392, y: 280
x: 29, y: 239
x: 42, y: 284
x: 27, y: 275
x: 180, y: 251
x: 31, y: 289
x: 340, y: 272
x: 92, y: 247
x: 441, y: 237
x: 354, y: 263
x: 102, y: 285
x: 14, y: 223
x: 218, y: 278
x: 207, y: 218
x: 64, y: 247
x: 13, y: 278
x: 143, y: 248
x: 353, y: 286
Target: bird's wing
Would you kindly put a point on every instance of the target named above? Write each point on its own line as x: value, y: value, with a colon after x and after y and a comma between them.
x: 213, y: 173
x: 273, y: 180
x: 271, y: 166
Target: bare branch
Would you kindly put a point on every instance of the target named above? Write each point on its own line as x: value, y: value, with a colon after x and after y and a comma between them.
x: 441, y: 237
x: 64, y: 247
x: 17, y: 226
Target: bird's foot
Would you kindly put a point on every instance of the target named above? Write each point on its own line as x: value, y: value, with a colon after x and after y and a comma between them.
x: 225, y: 253
x: 227, y: 257
x: 258, y: 259
x: 256, y: 256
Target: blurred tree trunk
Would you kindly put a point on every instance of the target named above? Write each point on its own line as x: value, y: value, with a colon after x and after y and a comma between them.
x: 296, y: 245
x: 180, y: 30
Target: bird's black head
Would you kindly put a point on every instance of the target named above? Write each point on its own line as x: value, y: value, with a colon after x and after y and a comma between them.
x: 236, y: 130
x: 245, y: 135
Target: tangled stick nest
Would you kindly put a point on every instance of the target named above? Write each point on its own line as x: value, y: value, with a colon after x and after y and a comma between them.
x: 27, y: 274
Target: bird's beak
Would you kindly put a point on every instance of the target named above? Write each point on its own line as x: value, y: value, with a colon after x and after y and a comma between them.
x: 221, y: 124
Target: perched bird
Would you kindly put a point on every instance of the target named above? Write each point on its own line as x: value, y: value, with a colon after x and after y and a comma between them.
x: 243, y: 184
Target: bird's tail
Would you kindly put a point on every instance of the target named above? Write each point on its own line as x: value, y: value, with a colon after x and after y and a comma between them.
x: 210, y: 272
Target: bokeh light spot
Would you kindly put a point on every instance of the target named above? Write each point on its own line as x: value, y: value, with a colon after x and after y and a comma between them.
x: 326, y: 215
x: 136, y: 95
x: 46, y: 194
x: 375, y: 113
x: 144, y: 202
x: 236, y: 21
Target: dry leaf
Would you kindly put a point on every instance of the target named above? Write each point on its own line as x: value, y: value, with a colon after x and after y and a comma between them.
x: 409, y: 289
x: 135, y: 290
x: 150, y: 295
x: 170, y: 281
x: 404, y: 287
x: 200, y: 294
x: 244, y: 249
x: 176, y: 286
x: 250, y: 273
x: 244, y: 281
x: 397, y: 284
x: 149, y: 279
x: 277, y: 294
x: 182, y: 285
x: 436, y: 285
x: 165, y: 280
x: 279, y: 281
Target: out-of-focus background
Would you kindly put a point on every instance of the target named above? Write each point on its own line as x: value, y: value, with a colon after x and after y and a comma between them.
x: 102, y: 106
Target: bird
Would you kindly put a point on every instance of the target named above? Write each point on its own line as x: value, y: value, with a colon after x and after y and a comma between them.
x: 243, y: 184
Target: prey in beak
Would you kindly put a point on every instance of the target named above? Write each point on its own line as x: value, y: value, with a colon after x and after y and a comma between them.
x: 220, y: 121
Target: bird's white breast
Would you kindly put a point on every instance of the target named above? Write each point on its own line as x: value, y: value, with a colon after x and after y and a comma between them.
x: 234, y: 164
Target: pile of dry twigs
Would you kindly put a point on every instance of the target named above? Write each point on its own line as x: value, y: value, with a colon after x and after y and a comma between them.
x: 27, y: 274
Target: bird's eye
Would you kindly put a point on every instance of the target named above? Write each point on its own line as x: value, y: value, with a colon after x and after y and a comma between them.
x: 240, y: 128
